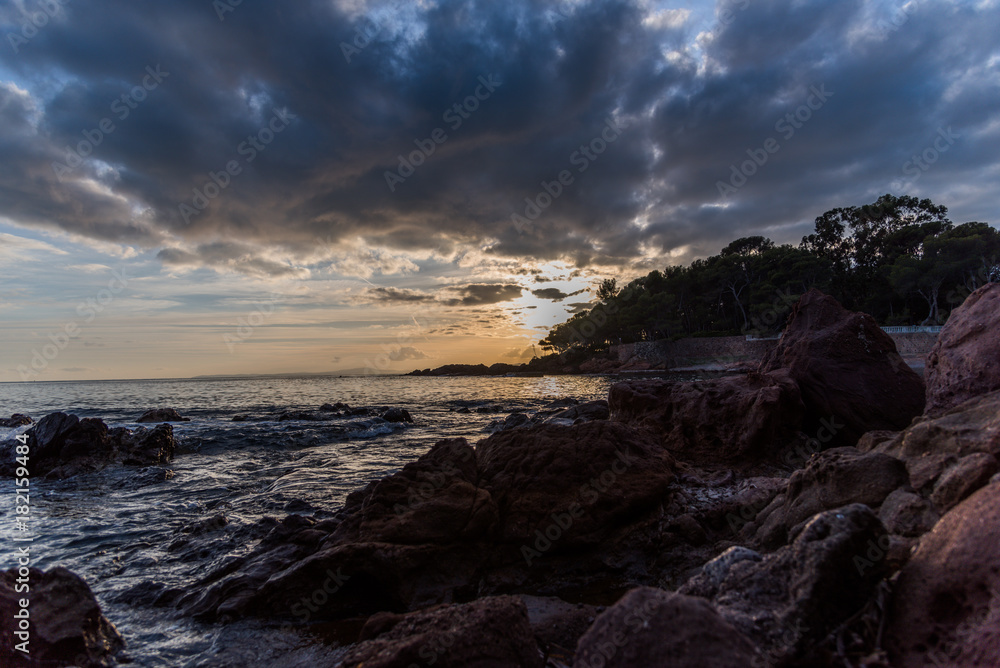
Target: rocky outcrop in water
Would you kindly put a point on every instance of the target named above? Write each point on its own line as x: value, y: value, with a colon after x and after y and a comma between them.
x: 15, y: 420
x: 456, y: 518
x: 563, y: 412
x: 66, y: 627
x: 62, y: 445
x: 162, y: 415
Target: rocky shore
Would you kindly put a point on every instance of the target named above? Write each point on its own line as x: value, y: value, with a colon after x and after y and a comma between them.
x: 827, y: 508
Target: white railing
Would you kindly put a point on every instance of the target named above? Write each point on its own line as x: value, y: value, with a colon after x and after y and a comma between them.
x: 912, y: 329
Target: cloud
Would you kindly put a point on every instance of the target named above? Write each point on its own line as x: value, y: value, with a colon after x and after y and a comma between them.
x: 554, y: 294
x: 518, y: 354
x: 479, y: 294
x: 397, y: 296
x: 691, y: 94
x: 407, y: 353
x: 468, y: 295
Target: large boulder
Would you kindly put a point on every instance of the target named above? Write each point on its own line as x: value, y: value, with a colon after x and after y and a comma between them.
x: 965, y: 361
x: 724, y: 420
x: 655, y: 628
x: 436, y: 498
x: 790, y: 601
x: 66, y: 624
x: 581, y: 481
x: 832, y: 478
x: 945, y: 609
x: 847, y: 368
x: 492, y: 631
x: 62, y: 445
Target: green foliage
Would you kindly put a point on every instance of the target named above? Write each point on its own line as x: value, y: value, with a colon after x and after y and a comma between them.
x: 896, y: 258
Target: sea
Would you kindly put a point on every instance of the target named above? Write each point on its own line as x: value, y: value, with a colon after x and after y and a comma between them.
x: 126, y: 528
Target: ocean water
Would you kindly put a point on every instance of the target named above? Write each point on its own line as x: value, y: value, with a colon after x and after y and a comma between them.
x: 126, y: 527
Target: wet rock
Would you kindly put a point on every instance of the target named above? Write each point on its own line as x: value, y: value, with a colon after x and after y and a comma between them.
x: 15, y: 420
x: 592, y: 410
x: 62, y: 445
x: 397, y: 415
x: 831, y: 479
x: 908, y: 514
x: 789, y: 601
x: 965, y: 362
x: 651, y: 627
x: 149, y: 447
x: 586, y: 480
x: 512, y: 421
x: 959, y: 481
x: 334, y: 408
x: 491, y: 631
x: 162, y: 415
x: 66, y: 624
x: 241, y: 418
x: 736, y: 419
x: 847, y: 368
x: 945, y: 609
x: 303, y: 416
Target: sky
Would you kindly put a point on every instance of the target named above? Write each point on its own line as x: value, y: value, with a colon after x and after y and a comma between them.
x: 198, y: 188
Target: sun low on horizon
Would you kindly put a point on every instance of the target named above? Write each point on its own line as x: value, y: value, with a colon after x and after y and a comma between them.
x: 370, y: 186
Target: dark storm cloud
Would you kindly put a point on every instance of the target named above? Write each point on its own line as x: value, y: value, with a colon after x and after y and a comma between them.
x: 468, y: 295
x: 686, y: 115
x: 476, y: 295
x: 555, y: 294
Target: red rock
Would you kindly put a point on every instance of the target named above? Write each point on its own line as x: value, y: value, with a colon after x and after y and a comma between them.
x: 492, y: 631
x: 653, y: 628
x: 790, y: 600
x: 959, y: 481
x: 932, y: 444
x: 831, y: 479
x: 847, y: 368
x: 945, y: 609
x: 724, y: 420
x: 67, y: 627
x: 432, y: 500
x: 907, y: 514
x: 965, y: 361
x: 580, y: 482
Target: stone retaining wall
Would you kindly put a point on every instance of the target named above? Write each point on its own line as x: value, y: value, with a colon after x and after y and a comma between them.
x: 731, y: 349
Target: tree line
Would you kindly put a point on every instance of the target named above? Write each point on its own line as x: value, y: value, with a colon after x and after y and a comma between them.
x: 899, y: 259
